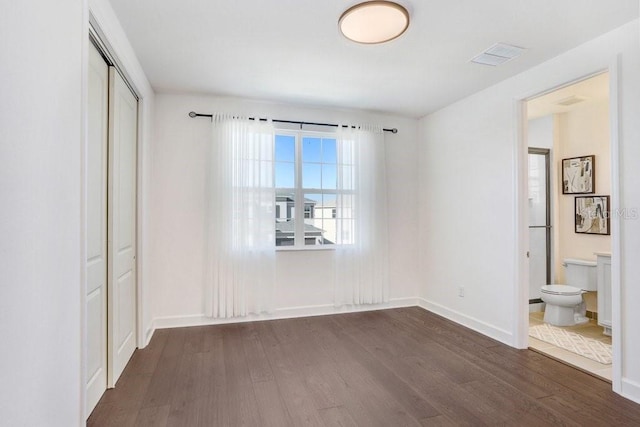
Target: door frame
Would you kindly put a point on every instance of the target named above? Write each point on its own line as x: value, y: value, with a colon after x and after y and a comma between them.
x: 105, y: 28
x: 96, y: 41
x: 521, y: 309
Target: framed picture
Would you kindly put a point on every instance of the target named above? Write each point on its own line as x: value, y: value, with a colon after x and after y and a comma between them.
x: 578, y: 175
x: 592, y: 215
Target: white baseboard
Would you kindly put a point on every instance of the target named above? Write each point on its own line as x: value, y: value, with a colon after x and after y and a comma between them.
x: 281, y: 313
x: 630, y: 390
x: 149, y: 334
x: 491, y: 331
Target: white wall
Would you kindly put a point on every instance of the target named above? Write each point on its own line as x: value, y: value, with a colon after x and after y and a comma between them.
x: 177, y: 202
x: 466, y: 212
x: 41, y: 46
x: 582, y: 131
x: 541, y: 132
x: 468, y: 204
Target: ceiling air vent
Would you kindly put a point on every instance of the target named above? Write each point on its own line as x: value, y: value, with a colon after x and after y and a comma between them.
x: 571, y: 100
x: 498, y: 54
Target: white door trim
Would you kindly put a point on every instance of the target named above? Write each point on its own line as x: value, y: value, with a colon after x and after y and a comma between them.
x: 521, y: 279
x: 616, y: 237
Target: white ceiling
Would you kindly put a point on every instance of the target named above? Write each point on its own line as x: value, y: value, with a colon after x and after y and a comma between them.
x: 292, y: 51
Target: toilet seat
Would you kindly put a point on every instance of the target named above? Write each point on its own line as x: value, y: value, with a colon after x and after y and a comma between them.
x: 561, y: 290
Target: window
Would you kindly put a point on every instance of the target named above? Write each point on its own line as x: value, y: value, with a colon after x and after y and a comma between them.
x: 311, y: 173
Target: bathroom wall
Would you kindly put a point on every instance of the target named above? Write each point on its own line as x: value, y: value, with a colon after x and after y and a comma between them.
x: 582, y: 131
x: 540, y: 132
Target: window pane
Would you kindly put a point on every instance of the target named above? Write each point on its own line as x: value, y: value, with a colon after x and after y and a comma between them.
x: 285, y: 148
x: 311, y: 176
x: 329, y: 151
x: 312, y: 208
x: 285, y: 175
x: 312, y: 223
x: 285, y: 206
x: 309, y: 208
x: 328, y: 218
x: 311, y: 149
x: 329, y: 232
x: 329, y: 198
x: 285, y: 226
x: 328, y: 177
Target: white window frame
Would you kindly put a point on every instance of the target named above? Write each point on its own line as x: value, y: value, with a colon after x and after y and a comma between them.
x: 299, y: 191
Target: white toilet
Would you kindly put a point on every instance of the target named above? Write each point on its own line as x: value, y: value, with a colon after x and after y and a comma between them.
x: 565, y: 305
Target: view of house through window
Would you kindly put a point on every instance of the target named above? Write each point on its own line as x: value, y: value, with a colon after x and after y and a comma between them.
x: 308, y: 168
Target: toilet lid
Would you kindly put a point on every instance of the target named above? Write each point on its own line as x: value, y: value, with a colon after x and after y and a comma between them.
x: 560, y: 290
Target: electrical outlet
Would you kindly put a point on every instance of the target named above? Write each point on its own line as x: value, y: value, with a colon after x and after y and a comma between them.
x: 461, y: 291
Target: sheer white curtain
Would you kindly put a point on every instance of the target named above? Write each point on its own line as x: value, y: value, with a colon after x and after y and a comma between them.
x: 361, y: 257
x: 241, y: 218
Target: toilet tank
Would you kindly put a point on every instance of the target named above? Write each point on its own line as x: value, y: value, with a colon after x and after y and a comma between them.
x: 581, y: 274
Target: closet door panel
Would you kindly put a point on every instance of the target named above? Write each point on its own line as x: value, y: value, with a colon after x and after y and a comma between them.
x: 123, y: 113
x: 96, y: 231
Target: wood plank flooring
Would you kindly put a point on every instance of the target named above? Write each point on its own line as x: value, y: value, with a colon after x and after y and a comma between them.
x: 400, y: 367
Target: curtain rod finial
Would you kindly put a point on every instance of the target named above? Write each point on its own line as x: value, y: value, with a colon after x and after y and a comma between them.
x: 192, y: 114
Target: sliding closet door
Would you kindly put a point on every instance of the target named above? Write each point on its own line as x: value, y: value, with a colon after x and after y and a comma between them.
x: 123, y: 113
x: 96, y: 234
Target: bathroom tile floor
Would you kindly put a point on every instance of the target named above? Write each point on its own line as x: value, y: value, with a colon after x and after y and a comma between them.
x: 590, y: 330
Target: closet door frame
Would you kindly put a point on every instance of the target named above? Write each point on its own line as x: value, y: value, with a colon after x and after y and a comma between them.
x: 99, y: 39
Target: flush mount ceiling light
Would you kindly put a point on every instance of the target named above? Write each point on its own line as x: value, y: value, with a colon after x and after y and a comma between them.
x: 374, y: 22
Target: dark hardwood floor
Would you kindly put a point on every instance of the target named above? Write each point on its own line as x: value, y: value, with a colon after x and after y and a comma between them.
x: 383, y: 368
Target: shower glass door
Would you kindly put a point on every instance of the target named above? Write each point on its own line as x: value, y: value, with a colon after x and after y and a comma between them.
x: 539, y: 222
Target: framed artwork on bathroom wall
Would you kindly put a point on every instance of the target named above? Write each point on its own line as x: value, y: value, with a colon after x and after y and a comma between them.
x: 578, y: 175
x: 592, y: 215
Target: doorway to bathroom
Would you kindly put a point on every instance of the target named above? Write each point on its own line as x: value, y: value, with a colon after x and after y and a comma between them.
x: 569, y: 190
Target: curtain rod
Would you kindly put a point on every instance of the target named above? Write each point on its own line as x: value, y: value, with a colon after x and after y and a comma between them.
x: 193, y: 115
